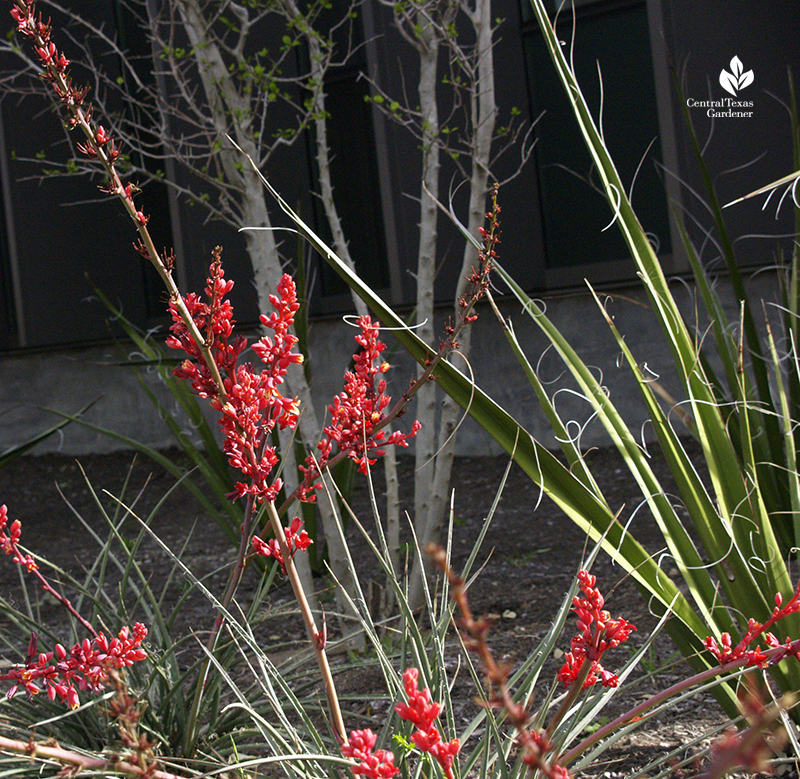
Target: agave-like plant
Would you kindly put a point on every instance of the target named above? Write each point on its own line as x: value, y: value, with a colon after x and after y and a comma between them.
x: 746, y: 432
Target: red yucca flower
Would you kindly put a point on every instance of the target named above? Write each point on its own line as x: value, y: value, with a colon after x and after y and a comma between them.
x: 373, y: 764
x: 725, y: 652
x: 358, y: 410
x: 421, y: 712
x: 87, y: 665
x: 250, y: 400
x: 599, y: 633
x: 296, y: 540
x: 9, y: 541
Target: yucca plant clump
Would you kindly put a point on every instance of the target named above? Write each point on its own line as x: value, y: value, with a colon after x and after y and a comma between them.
x: 745, y: 515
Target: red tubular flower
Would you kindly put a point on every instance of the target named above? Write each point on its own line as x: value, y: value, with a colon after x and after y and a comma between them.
x: 9, y: 541
x: 725, y: 652
x: 357, y: 410
x: 421, y: 713
x: 376, y: 765
x: 296, y: 540
x: 419, y: 710
x: 250, y: 402
x: 599, y: 633
x: 276, y: 351
x: 87, y: 665
x: 54, y: 63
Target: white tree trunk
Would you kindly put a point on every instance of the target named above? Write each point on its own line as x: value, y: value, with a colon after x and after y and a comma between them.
x: 224, y: 102
x: 483, y: 110
x: 428, y: 47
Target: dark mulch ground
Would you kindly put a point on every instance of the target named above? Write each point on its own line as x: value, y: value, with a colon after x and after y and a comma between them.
x: 530, y: 557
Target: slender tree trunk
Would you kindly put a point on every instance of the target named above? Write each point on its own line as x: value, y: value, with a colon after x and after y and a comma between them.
x: 483, y: 111
x: 317, y: 57
x: 392, y: 515
x: 425, y: 442
x: 224, y: 102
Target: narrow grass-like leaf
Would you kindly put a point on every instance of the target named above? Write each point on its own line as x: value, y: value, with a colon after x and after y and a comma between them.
x: 569, y: 446
x: 20, y: 449
x: 731, y: 490
x: 788, y: 425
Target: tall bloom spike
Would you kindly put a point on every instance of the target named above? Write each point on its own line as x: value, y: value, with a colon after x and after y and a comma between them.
x: 87, y: 666
x: 598, y: 633
x: 358, y: 410
x: 250, y: 401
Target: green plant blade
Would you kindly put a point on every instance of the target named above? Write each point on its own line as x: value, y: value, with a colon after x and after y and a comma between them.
x: 20, y: 449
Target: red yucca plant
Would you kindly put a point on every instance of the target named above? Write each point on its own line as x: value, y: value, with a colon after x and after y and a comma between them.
x: 251, y: 408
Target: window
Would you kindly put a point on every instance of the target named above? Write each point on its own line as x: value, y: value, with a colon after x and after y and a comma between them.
x: 615, y: 37
x: 67, y: 238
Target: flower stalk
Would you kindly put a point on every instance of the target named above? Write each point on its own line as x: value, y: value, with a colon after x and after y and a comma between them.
x: 536, y: 745
x: 317, y: 637
x: 100, y: 145
x: 36, y: 750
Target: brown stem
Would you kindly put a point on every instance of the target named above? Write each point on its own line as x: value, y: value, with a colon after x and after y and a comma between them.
x: 317, y: 638
x: 36, y: 750
x: 47, y: 587
x: 64, y: 601
x: 474, y: 633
